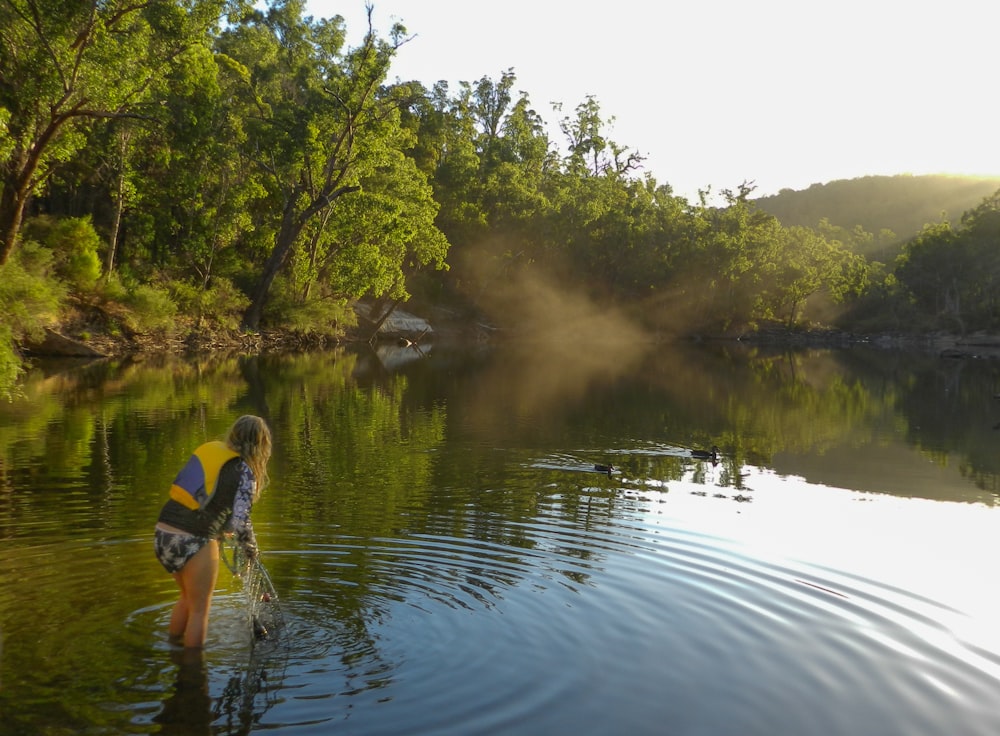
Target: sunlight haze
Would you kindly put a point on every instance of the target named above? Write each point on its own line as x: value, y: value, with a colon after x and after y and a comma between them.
x: 780, y: 92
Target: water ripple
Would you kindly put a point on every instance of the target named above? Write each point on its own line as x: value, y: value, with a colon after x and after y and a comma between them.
x: 601, y: 603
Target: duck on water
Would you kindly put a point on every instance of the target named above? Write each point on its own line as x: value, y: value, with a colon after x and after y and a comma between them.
x: 712, y: 455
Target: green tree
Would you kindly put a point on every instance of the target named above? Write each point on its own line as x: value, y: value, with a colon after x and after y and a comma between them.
x: 980, y: 236
x: 953, y: 273
x: 932, y: 268
x: 445, y: 150
x: 197, y: 194
x: 800, y: 271
x: 64, y: 65
x: 322, y: 124
x: 590, y: 151
x: 733, y: 254
x: 374, y: 240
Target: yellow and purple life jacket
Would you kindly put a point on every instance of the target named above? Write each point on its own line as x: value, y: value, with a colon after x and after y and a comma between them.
x: 196, y: 482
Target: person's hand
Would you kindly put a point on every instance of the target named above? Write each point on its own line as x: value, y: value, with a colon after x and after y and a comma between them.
x: 251, y: 552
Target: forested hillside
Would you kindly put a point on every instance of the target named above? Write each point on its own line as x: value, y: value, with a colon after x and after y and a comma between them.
x: 903, y: 204
x: 178, y: 168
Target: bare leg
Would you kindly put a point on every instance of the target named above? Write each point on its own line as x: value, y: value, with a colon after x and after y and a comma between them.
x: 179, y: 616
x: 197, y: 583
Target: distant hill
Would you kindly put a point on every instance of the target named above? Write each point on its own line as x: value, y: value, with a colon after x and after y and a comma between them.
x: 903, y: 204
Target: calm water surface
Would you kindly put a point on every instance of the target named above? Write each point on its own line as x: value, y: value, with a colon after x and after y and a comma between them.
x: 448, y: 562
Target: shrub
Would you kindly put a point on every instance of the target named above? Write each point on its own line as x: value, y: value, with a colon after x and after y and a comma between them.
x: 30, y: 298
x: 112, y: 289
x: 186, y: 296
x: 151, y: 310
x: 10, y: 363
x: 30, y: 301
x: 221, y: 305
x: 320, y: 315
x: 75, y: 246
x: 225, y: 304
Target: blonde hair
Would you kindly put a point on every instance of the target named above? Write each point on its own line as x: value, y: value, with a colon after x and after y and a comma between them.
x: 251, y: 438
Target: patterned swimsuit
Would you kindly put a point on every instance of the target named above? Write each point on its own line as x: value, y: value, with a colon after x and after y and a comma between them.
x: 174, y: 549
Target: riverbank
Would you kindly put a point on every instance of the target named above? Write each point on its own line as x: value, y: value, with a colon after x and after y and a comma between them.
x: 80, y: 338
x: 84, y: 337
x: 945, y: 344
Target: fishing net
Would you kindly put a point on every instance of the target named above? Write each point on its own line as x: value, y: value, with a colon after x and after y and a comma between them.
x: 263, y: 609
x: 253, y: 687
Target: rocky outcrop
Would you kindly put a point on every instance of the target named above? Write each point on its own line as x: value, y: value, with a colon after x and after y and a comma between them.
x: 399, y: 325
x: 55, y: 345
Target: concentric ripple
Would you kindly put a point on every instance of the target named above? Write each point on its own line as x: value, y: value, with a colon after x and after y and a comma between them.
x: 645, y: 623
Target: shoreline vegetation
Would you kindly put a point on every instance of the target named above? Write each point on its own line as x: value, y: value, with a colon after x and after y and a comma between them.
x: 404, y: 329
x: 212, y: 175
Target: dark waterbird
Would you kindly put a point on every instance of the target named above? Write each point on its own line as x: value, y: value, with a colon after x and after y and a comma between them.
x: 712, y: 454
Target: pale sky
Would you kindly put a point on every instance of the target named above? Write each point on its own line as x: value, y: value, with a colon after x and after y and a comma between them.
x: 785, y: 93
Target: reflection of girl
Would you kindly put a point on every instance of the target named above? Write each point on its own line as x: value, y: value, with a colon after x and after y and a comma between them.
x: 188, y: 710
x: 212, y: 495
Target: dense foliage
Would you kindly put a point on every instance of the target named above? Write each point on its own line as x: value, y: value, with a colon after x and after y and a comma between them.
x: 895, y: 208
x: 176, y: 165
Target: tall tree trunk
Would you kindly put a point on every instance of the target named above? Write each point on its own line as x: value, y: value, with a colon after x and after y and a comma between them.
x: 288, y: 233
x: 314, y: 253
x: 124, y: 136
x: 13, y: 200
x: 20, y: 179
x: 116, y: 222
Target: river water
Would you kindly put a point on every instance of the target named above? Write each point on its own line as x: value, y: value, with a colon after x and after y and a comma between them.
x: 448, y: 561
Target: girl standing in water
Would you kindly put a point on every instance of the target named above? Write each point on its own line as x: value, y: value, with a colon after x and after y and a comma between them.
x: 211, y: 495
